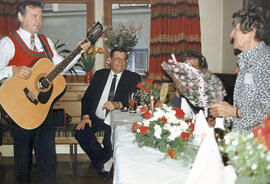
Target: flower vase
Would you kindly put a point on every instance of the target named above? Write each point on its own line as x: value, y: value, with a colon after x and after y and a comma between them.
x: 88, y: 77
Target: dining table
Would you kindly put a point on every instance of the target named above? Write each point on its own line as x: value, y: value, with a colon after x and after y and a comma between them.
x: 141, y: 165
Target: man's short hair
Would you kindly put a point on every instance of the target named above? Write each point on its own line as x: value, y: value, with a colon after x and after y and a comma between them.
x: 119, y: 50
x: 22, y: 7
x: 252, y: 17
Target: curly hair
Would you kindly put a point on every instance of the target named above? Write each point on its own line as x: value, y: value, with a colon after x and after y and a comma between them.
x: 252, y: 17
x: 197, y: 55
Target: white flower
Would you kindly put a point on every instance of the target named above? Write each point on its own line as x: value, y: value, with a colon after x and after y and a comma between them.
x: 157, y: 132
x: 145, y: 122
x: 254, y: 167
x: 268, y: 158
x: 249, y: 147
x: 175, y: 131
x: 235, y: 142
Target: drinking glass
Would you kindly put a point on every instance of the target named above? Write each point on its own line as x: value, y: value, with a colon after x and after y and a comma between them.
x: 132, y: 102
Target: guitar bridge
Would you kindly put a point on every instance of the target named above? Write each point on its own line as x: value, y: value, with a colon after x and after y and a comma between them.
x: 30, y: 96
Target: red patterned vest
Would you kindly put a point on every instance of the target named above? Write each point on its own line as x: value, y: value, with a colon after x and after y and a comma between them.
x: 23, y: 55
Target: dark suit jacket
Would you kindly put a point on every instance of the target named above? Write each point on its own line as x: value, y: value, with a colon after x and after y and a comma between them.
x: 127, y: 84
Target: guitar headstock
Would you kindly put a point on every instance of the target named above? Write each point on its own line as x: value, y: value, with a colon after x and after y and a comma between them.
x: 94, y: 33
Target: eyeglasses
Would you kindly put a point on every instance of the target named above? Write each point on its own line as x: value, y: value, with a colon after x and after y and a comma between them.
x: 119, y: 58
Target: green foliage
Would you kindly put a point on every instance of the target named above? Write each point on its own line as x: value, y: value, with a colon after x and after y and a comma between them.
x: 124, y: 36
x: 250, y: 159
x: 163, y: 131
x: 64, y: 52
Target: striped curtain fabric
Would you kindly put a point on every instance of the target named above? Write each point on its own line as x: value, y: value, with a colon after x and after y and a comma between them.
x: 8, y: 23
x: 175, y: 28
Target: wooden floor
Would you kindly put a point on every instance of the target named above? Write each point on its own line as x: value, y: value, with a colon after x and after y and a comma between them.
x: 86, y: 173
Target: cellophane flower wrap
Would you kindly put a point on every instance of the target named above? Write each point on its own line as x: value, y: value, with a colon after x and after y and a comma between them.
x: 166, y: 130
x: 249, y: 154
x: 201, y: 87
x: 146, y: 89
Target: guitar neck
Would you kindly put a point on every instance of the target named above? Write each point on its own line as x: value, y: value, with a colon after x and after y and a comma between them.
x: 61, y: 66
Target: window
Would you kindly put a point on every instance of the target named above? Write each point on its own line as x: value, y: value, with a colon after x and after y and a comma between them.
x: 138, y: 61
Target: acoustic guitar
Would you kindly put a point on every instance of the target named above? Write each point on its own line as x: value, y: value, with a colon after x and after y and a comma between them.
x: 27, y: 102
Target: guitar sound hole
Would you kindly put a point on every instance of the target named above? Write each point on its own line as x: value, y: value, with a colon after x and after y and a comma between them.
x: 43, y: 83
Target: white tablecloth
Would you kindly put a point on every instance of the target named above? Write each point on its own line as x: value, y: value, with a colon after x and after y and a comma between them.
x: 134, y: 165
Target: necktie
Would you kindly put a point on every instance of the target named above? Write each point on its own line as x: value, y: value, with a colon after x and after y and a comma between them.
x: 111, y: 92
x: 32, y: 43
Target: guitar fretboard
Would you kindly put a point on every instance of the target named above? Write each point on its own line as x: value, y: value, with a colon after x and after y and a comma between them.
x: 61, y: 66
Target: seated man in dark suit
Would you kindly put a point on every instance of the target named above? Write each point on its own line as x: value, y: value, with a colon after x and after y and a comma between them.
x: 96, y: 103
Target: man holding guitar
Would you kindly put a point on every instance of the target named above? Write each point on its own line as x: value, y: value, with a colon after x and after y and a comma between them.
x: 18, y: 53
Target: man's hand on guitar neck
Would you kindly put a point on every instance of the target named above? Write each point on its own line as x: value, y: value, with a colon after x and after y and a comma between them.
x: 21, y: 71
x: 84, y: 46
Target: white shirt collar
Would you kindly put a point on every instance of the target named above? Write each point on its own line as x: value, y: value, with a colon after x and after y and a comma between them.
x: 118, y: 75
x: 25, y: 34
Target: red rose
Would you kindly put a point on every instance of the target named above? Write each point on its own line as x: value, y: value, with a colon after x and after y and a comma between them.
x: 163, y: 119
x: 191, y: 127
x: 148, y: 89
x: 268, y: 144
x: 143, y: 87
x: 147, y: 115
x: 159, y: 103
x: 258, y: 134
x: 149, y: 81
x: 135, y: 126
x: 143, y: 109
x: 171, y: 152
x: 144, y: 130
x: 139, y: 85
x: 179, y: 113
x: 185, y: 135
x: 266, y: 122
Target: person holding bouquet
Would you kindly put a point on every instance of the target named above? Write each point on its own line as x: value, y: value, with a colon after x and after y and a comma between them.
x: 198, y: 61
x: 251, y: 93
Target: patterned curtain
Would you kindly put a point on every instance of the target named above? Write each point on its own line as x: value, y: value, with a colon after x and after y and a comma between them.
x: 175, y: 28
x: 8, y: 16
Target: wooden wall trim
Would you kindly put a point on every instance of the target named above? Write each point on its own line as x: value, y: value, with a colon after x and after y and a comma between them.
x: 108, y: 12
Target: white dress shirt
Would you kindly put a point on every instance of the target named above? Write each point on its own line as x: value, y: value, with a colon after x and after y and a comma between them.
x: 7, y: 51
x: 105, y: 94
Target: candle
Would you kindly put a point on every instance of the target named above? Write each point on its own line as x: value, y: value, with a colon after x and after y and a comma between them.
x: 152, y: 103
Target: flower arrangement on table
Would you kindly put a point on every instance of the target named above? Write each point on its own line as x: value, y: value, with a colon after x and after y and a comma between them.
x: 87, y: 60
x: 249, y: 154
x: 146, y: 90
x: 124, y: 36
x: 166, y: 130
x: 201, y: 87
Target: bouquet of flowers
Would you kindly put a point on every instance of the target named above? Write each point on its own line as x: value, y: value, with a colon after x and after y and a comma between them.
x: 249, y: 153
x: 166, y: 130
x: 87, y: 60
x: 124, y: 36
x: 148, y: 89
x: 201, y: 87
